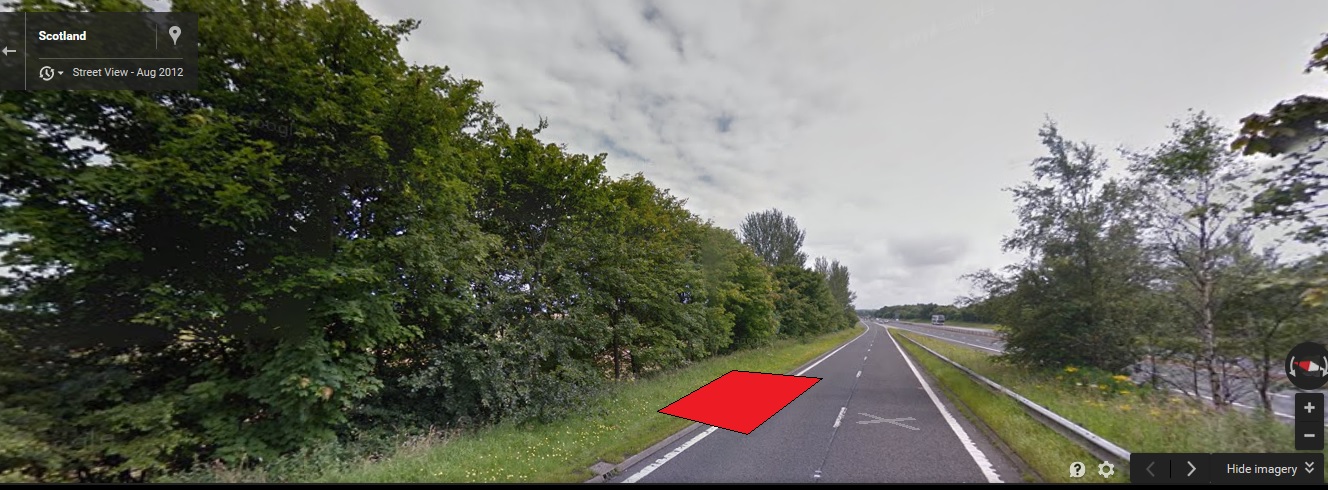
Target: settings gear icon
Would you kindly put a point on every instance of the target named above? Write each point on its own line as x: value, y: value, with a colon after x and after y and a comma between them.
x: 1106, y: 469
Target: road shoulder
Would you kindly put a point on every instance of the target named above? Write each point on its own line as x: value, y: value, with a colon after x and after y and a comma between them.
x: 1006, y: 464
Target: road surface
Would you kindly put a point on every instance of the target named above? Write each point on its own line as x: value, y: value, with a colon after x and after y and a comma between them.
x: 871, y: 419
x: 1179, y: 376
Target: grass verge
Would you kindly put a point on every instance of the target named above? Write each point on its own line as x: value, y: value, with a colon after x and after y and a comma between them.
x: 1046, y: 452
x: 1138, y: 419
x: 615, y: 427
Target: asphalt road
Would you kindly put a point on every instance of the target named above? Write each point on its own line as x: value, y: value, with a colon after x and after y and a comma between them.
x: 871, y: 419
x: 1179, y: 377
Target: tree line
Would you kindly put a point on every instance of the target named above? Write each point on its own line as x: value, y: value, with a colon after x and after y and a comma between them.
x: 184, y: 286
x: 1158, y: 266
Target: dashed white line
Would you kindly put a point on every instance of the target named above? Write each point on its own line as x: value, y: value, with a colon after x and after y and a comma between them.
x: 660, y: 462
x: 859, y: 374
x: 978, y: 456
x: 840, y: 418
x: 827, y: 356
x: 674, y: 453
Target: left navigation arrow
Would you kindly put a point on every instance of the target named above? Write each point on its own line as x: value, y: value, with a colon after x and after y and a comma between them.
x: 7, y: 51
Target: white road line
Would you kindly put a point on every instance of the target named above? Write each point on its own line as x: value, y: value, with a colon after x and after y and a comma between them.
x: 952, y: 340
x: 859, y: 374
x: 660, y: 462
x: 1238, y: 404
x: 827, y: 356
x: 840, y: 418
x: 978, y: 457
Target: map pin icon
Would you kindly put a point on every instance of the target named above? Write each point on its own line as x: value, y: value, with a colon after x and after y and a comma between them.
x: 175, y: 34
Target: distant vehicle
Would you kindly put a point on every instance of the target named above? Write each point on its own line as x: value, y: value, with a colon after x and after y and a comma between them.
x: 938, y: 319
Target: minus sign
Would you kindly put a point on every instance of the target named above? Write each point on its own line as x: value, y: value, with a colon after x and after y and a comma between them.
x: 1309, y: 436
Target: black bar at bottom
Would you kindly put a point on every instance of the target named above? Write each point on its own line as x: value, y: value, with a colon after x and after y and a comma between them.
x: 1227, y: 468
x: 1267, y: 468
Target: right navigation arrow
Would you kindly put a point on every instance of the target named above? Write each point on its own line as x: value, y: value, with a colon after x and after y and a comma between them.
x: 1192, y: 468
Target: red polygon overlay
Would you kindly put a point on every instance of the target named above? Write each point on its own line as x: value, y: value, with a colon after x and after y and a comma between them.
x: 740, y: 401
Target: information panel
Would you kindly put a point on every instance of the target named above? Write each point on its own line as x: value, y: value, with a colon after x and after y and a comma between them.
x: 98, y: 51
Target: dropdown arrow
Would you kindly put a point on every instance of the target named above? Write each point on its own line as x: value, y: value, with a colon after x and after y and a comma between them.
x: 1309, y: 467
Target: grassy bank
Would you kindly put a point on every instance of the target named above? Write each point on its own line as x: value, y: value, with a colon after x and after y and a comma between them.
x: 1136, y: 418
x: 1046, y: 452
x: 616, y: 427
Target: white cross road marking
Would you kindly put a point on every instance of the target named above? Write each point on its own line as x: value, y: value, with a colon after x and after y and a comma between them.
x: 892, y: 421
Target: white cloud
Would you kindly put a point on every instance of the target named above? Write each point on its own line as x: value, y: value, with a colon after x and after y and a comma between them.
x: 888, y: 129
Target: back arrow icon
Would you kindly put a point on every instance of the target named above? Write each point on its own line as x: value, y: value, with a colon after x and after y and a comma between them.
x: 7, y: 51
x: 1149, y: 469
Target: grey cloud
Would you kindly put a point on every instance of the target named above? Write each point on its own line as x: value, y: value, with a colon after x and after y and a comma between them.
x: 918, y: 252
x: 886, y: 128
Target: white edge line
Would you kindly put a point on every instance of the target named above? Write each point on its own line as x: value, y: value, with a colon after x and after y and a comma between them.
x: 840, y: 418
x: 952, y: 340
x: 1238, y: 404
x: 676, y: 451
x: 978, y: 457
x: 660, y: 462
x: 827, y: 356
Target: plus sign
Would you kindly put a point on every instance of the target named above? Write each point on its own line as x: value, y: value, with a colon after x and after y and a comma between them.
x: 1309, y: 407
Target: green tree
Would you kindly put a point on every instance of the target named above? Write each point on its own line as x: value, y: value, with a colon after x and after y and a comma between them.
x: 212, y: 289
x: 837, y: 278
x: 776, y: 238
x: 740, y: 285
x: 805, y: 305
x: 1293, y: 130
x: 1265, y: 317
x: 1072, y: 300
x: 1195, y: 209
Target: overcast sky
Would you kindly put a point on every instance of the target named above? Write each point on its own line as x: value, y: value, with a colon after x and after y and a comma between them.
x: 887, y: 128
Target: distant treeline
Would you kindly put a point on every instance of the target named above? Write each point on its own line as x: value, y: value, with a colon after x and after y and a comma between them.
x: 978, y: 312
x: 188, y: 286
